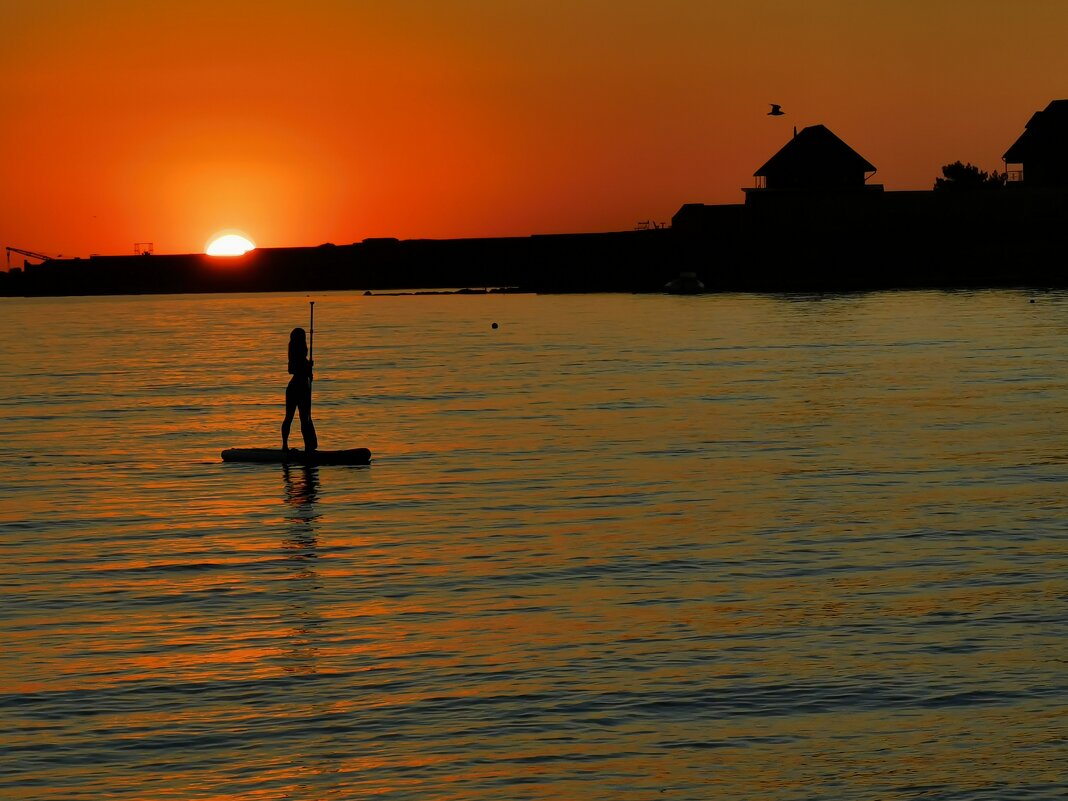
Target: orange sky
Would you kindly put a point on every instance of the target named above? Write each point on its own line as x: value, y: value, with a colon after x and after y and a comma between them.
x: 333, y: 120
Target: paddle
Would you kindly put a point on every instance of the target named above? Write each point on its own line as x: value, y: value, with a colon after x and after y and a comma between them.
x: 311, y: 356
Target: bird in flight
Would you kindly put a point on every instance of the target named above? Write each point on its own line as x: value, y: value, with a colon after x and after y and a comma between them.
x: 776, y: 110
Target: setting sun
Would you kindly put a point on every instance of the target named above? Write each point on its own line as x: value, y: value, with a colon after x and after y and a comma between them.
x: 229, y: 245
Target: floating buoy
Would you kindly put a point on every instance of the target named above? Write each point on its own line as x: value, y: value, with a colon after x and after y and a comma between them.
x: 495, y: 325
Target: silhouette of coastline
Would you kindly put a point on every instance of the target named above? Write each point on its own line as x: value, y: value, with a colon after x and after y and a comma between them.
x: 812, y: 222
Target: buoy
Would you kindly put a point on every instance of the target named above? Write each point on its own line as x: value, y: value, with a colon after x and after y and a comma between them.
x: 495, y: 325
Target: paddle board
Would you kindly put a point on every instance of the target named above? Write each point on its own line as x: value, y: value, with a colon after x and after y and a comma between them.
x: 295, y: 456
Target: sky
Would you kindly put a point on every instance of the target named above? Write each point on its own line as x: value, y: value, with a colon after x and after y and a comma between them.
x: 299, y: 123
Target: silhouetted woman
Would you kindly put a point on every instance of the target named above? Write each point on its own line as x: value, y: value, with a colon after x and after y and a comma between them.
x: 298, y: 392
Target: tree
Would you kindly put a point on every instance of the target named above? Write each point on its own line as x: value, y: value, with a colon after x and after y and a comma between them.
x: 957, y: 176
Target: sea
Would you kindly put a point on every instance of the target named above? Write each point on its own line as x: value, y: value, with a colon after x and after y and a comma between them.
x: 618, y: 547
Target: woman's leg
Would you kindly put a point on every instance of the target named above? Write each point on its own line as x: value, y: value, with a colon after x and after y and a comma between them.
x: 287, y: 423
x: 307, y: 427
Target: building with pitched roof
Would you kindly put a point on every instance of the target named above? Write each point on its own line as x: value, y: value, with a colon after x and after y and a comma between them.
x: 1040, y: 154
x: 815, y: 158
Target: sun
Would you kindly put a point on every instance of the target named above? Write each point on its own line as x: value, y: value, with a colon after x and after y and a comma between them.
x: 229, y: 245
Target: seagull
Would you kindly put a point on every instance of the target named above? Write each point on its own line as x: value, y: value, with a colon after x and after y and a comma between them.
x: 776, y: 110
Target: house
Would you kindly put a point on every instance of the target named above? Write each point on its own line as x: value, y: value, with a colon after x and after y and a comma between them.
x: 1040, y: 156
x: 814, y: 159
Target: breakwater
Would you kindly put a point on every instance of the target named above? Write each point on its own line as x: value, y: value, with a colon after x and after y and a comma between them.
x: 631, y: 261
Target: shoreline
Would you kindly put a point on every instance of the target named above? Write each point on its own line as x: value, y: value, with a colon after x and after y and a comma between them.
x: 789, y: 241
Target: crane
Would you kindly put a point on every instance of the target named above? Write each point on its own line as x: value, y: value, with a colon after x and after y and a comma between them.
x: 29, y: 253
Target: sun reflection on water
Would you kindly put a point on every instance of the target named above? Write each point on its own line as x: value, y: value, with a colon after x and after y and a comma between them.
x: 716, y: 547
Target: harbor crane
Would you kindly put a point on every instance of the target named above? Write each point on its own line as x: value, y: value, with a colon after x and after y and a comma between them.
x: 22, y: 252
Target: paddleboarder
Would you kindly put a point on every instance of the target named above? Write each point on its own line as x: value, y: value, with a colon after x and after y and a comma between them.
x: 298, y: 392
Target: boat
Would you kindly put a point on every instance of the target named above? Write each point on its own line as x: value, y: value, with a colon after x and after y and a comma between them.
x: 685, y: 284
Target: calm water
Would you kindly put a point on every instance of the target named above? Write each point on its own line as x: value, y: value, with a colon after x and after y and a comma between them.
x: 620, y: 548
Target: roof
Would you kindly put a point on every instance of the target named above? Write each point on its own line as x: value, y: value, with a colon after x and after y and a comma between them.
x: 815, y: 146
x: 1045, y: 132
